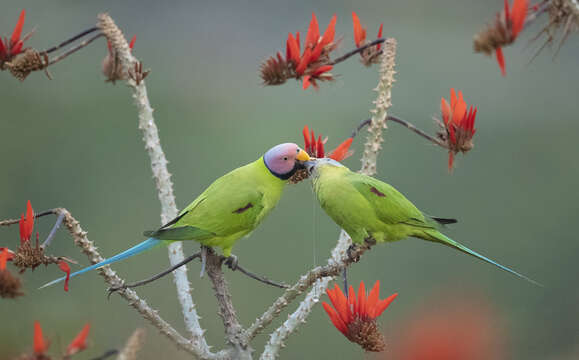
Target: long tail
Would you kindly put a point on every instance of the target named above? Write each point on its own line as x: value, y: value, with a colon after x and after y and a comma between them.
x: 441, y: 238
x: 145, y: 245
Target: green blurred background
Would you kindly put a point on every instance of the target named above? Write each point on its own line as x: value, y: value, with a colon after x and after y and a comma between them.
x: 73, y: 142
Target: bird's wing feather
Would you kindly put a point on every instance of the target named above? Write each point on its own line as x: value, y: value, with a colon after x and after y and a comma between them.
x: 390, y: 205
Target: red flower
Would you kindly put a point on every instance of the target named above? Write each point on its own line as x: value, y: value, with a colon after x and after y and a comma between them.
x: 315, y: 147
x: 355, y: 316
x: 311, y: 65
x: 12, y: 47
x: 5, y: 255
x: 450, y: 328
x: 79, y: 342
x: 370, y: 55
x: 503, y: 32
x: 458, y: 127
x: 63, y: 265
x: 40, y: 344
x: 26, y: 224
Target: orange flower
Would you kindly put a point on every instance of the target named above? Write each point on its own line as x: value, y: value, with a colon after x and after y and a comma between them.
x: 315, y: 147
x: 370, y: 55
x: 311, y: 65
x: 40, y: 344
x: 13, y: 47
x: 79, y: 342
x: 504, y: 31
x: 26, y: 224
x: 458, y: 125
x: 355, y: 316
x: 63, y: 265
x: 5, y: 255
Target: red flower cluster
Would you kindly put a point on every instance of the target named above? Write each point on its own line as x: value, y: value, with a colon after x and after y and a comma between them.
x: 13, y: 47
x: 311, y: 65
x: 28, y: 255
x: 41, y: 345
x: 504, y: 31
x: 315, y: 147
x: 370, y: 55
x: 458, y: 125
x: 355, y: 315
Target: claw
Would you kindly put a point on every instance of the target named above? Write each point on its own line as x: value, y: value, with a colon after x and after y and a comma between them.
x: 114, y: 289
x: 203, y: 260
x: 232, y: 262
x: 352, y: 253
x: 370, y: 241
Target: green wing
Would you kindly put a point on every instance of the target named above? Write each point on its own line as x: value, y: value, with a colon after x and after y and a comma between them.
x: 390, y: 206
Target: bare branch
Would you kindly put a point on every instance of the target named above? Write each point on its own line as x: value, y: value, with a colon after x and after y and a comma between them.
x: 133, y: 345
x: 369, y: 157
x: 233, y: 329
x: 162, y: 179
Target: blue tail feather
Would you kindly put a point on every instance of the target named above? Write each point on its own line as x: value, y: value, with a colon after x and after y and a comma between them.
x: 145, y: 245
x: 448, y: 241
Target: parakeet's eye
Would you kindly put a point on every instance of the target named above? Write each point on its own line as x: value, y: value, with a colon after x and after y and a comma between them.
x: 285, y: 158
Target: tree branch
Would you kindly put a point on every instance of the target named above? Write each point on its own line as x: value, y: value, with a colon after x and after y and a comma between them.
x: 369, y: 157
x: 233, y: 329
x: 162, y: 180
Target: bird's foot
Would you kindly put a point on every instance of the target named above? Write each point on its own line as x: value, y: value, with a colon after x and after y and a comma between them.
x: 370, y: 241
x: 353, y: 252
x: 232, y: 261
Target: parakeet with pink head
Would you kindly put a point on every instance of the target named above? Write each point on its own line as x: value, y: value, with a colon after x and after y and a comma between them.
x: 229, y: 209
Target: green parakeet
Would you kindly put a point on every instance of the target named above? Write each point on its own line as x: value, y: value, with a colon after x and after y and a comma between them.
x: 229, y: 209
x: 369, y: 209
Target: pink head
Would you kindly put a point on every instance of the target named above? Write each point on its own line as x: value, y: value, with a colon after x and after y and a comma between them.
x: 284, y: 159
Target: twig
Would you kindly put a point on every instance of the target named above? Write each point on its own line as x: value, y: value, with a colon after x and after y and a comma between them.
x: 162, y: 181
x: 9, y: 222
x: 260, y: 278
x: 72, y: 39
x: 133, y: 345
x: 154, y: 277
x: 107, y: 354
x: 373, y: 145
x: 418, y: 131
x: 356, y: 51
x: 73, y: 50
x: 233, y: 330
x: 52, y: 232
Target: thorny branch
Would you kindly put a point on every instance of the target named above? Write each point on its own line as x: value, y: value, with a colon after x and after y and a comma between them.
x: 372, y: 148
x: 162, y: 180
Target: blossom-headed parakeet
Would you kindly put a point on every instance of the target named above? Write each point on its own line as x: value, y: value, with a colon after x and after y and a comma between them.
x: 371, y: 210
x: 229, y: 209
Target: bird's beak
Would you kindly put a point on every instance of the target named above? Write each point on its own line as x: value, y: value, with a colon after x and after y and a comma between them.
x: 302, y: 156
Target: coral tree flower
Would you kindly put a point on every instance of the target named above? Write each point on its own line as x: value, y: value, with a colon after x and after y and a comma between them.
x: 458, y: 125
x: 504, y: 31
x: 370, y: 55
x: 79, y: 342
x: 13, y: 46
x: 5, y: 255
x: 26, y: 224
x: 315, y: 147
x: 63, y: 265
x: 40, y: 344
x: 355, y: 315
x: 311, y: 65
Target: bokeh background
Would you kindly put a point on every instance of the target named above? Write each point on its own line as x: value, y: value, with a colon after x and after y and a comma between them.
x: 73, y: 142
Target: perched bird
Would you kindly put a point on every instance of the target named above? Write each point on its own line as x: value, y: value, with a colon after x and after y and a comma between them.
x: 370, y: 210
x: 229, y: 209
